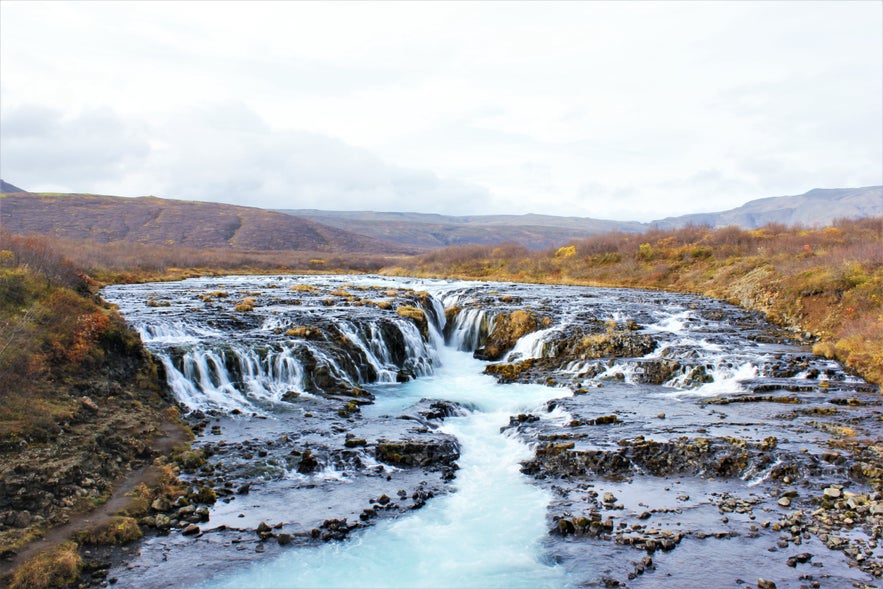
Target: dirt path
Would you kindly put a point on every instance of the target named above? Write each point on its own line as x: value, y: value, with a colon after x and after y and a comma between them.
x: 172, y: 435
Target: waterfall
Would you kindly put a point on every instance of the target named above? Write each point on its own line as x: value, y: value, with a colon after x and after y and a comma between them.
x: 216, y: 358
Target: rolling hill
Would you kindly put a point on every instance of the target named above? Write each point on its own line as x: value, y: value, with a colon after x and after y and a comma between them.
x: 430, y: 231
x: 816, y: 207
x: 155, y: 221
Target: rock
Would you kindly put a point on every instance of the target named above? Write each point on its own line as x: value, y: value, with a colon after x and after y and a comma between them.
x: 283, y: 539
x: 508, y: 328
x: 784, y: 501
x: 441, y: 450
x: 609, y: 497
x: 764, y: 584
x: 263, y: 528
x: 161, y: 504
x: 833, y: 492
x: 20, y: 519
x: 190, y: 530
x: 801, y: 558
x: 308, y: 462
x: 88, y: 404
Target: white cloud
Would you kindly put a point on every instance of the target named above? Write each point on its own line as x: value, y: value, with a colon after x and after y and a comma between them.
x: 446, y: 107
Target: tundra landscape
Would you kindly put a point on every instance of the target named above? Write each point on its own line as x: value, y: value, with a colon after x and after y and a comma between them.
x: 442, y: 295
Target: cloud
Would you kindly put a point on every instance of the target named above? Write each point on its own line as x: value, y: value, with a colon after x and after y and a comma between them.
x: 43, y: 146
x: 216, y: 152
x: 614, y: 110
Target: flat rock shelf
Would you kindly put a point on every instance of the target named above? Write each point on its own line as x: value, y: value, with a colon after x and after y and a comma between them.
x: 363, y: 431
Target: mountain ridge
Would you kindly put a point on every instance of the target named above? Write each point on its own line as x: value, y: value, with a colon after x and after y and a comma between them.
x: 819, y: 206
x: 198, y: 224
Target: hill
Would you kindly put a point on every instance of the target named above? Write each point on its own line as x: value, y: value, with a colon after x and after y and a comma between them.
x: 7, y: 187
x: 816, y: 207
x: 162, y: 222
x: 432, y: 231
x: 820, y: 206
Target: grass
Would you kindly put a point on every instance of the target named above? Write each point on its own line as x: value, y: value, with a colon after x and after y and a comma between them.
x: 116, y: 531
x: 57, y: 567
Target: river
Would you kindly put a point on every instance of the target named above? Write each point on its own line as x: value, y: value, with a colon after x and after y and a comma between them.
x: 507, y: 477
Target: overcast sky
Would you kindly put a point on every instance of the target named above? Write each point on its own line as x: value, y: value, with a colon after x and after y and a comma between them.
x: 630, y: 111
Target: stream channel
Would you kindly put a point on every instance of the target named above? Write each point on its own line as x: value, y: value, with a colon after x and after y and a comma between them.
x: 365, y: 431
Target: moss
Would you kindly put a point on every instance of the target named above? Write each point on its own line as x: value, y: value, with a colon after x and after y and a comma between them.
x: 412, y: 313
x: 190, y: 460
x: 57, y: 567
x: 245, y: 305
x: 205, y: 494
x: 303, y: 332
x: 118, y: 530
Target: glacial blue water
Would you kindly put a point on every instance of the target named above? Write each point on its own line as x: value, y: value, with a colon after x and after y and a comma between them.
x: 487, y: 533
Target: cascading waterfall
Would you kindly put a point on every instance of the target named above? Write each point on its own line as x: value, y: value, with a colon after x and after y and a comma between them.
x: 486, y: 534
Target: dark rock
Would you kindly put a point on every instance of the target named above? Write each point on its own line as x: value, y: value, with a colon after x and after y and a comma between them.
x: 190, y: 530
x: 441, y: 450
x: 308, y: 462
x: 801, y: 558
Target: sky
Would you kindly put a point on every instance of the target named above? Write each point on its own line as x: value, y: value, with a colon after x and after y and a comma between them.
x: 620, y: 110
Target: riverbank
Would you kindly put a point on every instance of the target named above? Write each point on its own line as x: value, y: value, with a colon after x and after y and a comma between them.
x: 825, y: 284
x: 85, y: 419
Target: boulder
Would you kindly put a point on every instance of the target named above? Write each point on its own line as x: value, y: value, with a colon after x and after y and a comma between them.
x: 441, y: 450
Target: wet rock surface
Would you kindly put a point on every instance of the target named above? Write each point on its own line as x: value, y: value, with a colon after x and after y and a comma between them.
x: 693, y: 438
x: 687, y: 431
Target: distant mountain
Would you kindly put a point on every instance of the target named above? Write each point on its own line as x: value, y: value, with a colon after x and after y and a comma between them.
x: 152, y: 220
x: 156, y: 221
x: 7, y: 187
x: 435, y: 231
x: 817, y: 207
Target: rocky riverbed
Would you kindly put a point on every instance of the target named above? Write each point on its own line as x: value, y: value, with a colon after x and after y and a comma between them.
x: 690, y: 443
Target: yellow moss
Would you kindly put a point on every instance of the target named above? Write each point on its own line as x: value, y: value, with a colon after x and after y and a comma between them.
x: 302, y: 332
x: 247, y: 304
x: 303, y: 288
x: 412, y: 313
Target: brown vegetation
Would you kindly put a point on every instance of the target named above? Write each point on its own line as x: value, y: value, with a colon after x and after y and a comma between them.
x: 81, y: 405
x: 828, y: 281
x: 156, y: 221
x: 57, y: 567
